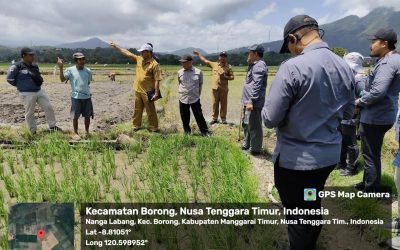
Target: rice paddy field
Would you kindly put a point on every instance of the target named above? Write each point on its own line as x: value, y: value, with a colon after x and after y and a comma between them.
x: 114, y: 164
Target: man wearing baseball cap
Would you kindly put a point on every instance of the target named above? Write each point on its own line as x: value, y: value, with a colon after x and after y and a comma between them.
x: 79, y: 77
x: 26, y: 77
x: 378, y: 105
x: 253, y: 97
x: 309, y: 96
x: 146, y: 85
x: 190, y: 81
x: 221, y: 74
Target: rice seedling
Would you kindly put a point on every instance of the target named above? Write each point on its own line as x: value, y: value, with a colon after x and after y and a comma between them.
x: 10, y: 186
x: 2, y: 157
x: 1, y: 171
x: 11, y: 162
x: 116, y: 195
x: 25, y: 158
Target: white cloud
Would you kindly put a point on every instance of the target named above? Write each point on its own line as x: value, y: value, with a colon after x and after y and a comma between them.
x: 270, y: 8
x: 298, y: 11
x: 362, y: 7
x: 169, y: 25
x: 328, y: 18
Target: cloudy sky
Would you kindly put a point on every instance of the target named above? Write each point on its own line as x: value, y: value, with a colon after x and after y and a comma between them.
x: 169, y: 24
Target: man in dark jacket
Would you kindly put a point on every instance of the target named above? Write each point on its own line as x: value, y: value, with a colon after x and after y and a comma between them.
x: 26, y: 77
x: 378, y: 105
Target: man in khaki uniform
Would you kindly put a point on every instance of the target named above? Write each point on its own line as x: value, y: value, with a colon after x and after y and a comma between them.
x: 222, y: 73
x: 146, y: 85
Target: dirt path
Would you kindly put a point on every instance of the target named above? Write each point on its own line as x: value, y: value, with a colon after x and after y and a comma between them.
x: 112, y: 104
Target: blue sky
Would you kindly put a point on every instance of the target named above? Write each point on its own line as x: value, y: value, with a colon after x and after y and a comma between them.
x: 170, y: 25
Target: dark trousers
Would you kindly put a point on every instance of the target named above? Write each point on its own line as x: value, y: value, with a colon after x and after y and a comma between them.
x: 197, y: 113
x: 349, y: 152
x: 291, y: 185
x: 371, y: 146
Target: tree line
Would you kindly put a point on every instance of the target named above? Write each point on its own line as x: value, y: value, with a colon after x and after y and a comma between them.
x: 110, y: 56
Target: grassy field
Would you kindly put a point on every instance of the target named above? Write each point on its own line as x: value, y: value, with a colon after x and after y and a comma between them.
x: 166, y: 167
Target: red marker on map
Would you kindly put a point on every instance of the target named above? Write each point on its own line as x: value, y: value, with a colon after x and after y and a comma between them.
x: 40, y: 234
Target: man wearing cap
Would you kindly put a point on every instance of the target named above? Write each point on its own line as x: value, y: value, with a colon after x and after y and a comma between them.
x: 378, y: 105
x: 309, y: 96
x: 221, y: 74
x: 253, y: 97
x: 190, y: 81
x: 349, y: 152
x: 146, y: 85
x: 26, y: 77
x: 79, y: 77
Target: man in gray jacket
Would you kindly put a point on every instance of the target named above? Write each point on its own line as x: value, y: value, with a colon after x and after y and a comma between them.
x: 378, y: 105
x: 253, y: 98
x: 309, y: 96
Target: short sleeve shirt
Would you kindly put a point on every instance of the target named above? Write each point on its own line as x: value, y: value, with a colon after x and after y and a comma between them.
x: 79, y: 80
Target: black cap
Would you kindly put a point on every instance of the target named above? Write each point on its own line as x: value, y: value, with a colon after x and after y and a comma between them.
x: 223, y: 53
x: 257, y: 48
x: 385, y: 34
x: 186, y: 58
x: 27, y: 51
x: 295, y: 23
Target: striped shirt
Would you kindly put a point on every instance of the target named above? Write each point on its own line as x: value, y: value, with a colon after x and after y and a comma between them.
x: 190, y: 83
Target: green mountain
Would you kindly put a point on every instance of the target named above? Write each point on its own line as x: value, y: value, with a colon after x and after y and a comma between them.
x: 91, y: 43
x: 186, y: 51
x: 350, y: 32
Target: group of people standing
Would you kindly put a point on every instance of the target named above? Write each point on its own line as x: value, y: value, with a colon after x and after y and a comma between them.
x: 315, y: 100
x: 316, y: 104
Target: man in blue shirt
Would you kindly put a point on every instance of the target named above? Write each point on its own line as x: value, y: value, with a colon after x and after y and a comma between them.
x: 309, y: 96
x: 79, y: 77
x: 378, y: 105
x: 26, y: 77
x: 253, y: 98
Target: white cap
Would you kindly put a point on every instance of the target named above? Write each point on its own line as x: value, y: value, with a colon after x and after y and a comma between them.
x: 355, y: 60
x: 145, y: 46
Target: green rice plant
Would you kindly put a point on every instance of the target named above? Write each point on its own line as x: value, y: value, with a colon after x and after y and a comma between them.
x: 2, y: 157
x: 127, y: 187
x: 11, y: 162
x: 132, y: 151
x: 90, y: 190
x: 109, y: 162
x: 4, y: 241
x: 53, y: 189
x: 35, y: 154
x: 1, y: 171
x: 10, y: 186
x: 25, y: 158
x: 42, y: 167
x: 105, y: 178
x: 2, y: 202
x: 116, y: 195
x: 94, y: 163
x: 22, y: 189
